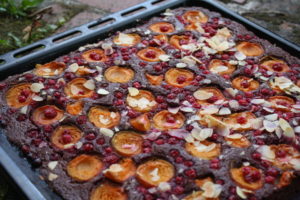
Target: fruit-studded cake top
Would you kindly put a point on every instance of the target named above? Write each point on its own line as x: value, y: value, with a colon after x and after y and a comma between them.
x: 189, y: 105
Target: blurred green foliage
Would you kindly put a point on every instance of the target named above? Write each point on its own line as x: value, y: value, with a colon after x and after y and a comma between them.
x: 18, y: 8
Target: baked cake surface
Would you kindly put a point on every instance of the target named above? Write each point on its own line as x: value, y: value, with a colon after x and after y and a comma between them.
x: 189, y: 105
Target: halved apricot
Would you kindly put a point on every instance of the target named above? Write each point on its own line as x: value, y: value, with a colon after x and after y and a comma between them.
x: 141, y: 123
x: 103, y: 117
x: 161, y: 38
x: 275, y: 65
x: 240, y: 121
x: 204, y: 150
x: 285, y: 179
x: 282, y: 103
x: 144, y: 101
x: 247, y: 177
x: 94, y: 55
x: 154, y: 172
x: 127, y: 39
x: 47, y: 114
x: 154, y: 80
x: 245, y: 84
x: 108, y: 191
x: 162, y: 27
x: 19, y: 95
x: 75, y: 108
x: 195, y: 16
x: 178, y: 40
x: 284, y: 153
x: 82, y: 71
x: 179, y: 77
x: 250, y: 49
x: 84, y: 167
x: 238, y: 141
x: 64, y: 136
x: 118, y: 74
x: 164, y: 120
x: 127, y: 143
x: 49, y: 69
x: 208, y: 95
x: 150, y: 54
x: 201, y: 182
x: 221, y: 67
x: 121, y: 171
x: 75, y: 89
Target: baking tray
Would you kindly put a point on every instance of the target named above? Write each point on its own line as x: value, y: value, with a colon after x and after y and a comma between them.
x: 13, y: 165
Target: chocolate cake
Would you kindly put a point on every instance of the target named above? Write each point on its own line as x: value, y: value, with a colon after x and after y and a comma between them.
x: 189, y: 105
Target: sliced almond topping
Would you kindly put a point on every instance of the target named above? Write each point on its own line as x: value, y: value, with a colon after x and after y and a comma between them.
x: 52, y: 177
x: 235, y: 136
x: 270, y: 126
x: 133, y: 91
x: 286, y: 127
x: 52, y: 165
x: 89, y: 84
x: 73, y: 67
x: 154, y: 174
x: 164, y: 57
x: 37, y: 87
x: 203, y: 95
x: 24, y: 109
x: 37, y: 98
x: 211, y: 190
x: 102, y: 91
x: 242, y: 192
x: 240, y: 56
x: 224, y: 111
x: 107, y: 132
x: 266, y: 152
x: 164, y: 186
x: 181, y: 65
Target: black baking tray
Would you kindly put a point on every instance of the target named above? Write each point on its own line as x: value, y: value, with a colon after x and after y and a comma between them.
x: 12, y: 164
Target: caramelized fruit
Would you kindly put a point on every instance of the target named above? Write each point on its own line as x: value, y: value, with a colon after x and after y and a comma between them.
x: 245, y: 84
x: 127, y: 40
x: 121, y: 171
x: 102, y: 117
x: 127, y: 143
x: 195, y: 17
x: 75, y: 108
x: 65, y: 136
x: 205, y: 150
x: 275, y: 65
x: 162, y: 27
x: 178, y: 40
x: 248, y: 177
x: 144, y: 101
x: 49, y: 69
x: 117, y: 74
x: 141, y: 123
x: 282, y: 103
x: 19, y: 95
x: 221, y: 67
x: 94, y: 55
x: 75, y: 89
x: 164, y: 120
x: 250, y: 49
x: 108, y: 191
x: 47, y: 114
x: 179, y: 77
x: 240, y: 121
x: 154, y: 80
x: 150, y: 54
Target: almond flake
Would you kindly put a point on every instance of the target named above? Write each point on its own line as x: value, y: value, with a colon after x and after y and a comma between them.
x: 181, y: 65
x: 204, y: 148
x: 37, y: 98
x: 124, y: 39
x: 202, y: 95
x: 164, y: 186
x: 270, y: 126
x: 240, y: 56
x: 296, y: 163
x: 52, y: 177
x: 106, y: 132
x: 211, y: 190
x: 219, y: 69
x: 164, y: 57
x: 257, y: 101
x: 234, y: 104
x: 102, y: 91
x: 173, y: 110
x: 271, y: 117
x: 89, y: 84
x: 37, y: 87
x: 241, y: 192
x: 133, y: 91
x: 114, y: 168
x: 154, y: 175
x: 24, y: 109
x: 267, y: 153
x: 235, y: 136
x: 288, y: 131
x: 52, y: 165
x: 73, y: 67
x: 224, y: 111
x: 78, y: 145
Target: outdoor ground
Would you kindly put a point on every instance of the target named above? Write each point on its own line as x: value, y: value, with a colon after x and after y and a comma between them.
x: 280, y: 16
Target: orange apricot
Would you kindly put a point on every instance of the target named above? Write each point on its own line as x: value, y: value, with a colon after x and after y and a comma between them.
x: 238, y: 141
x: 84, y: 167
x: 245, y: 84
x: 94, y: 55
x: 204, y: 150
x: 195, y: 16
x: 178, y: 40
x: 121, y: 171
x: 284, y: 153
x: 102, y: 117
x: 47, y: 114
x: 250, y: 49
x: 179, y: 77
x: 208, y: 95
x: 275, y: 65
x: 164, y: 120
x: 144, y: 101
x: 108, y: 191
x: 75, y: 89
x: 118, y: 74
x: 162, y: 27
x: 127, y: 39
x: 141, y: 123
x: 282, y: 103
x: 161, y: 38
x: 19, y: 95
x: 154, y: 172
x: 221, y: 67
x: 65, y: 136
x: 154, y: 80
x: 285, y: 179
x: 237, y: 175
x: 75, y: 108
x: 50, y: 69
x: 127, y: 143
x: 240, y: 121
x: 150, y: 54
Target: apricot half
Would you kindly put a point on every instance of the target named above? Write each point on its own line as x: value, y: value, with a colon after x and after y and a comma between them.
x: 161, y: 38
x: 179, y: 77
x: 275, y: 65
x: 194, y: 16
x: 108, y: 191
x: 103, y: 117
x: 127, y: 39
x: 150, y: 54
x: 49, y: 69
x: 250, y: 49
x: 162, y: 27
x: 240, y: 121
x: 144, y: 101
x: 154, y: 80
x: 141, y: 123
x: 127, y: 143
x: 19, y: 95
x: 221, y: 67
x: 282, y: 103
x: 118, y: 74
x: 84, y: 167
x: 47, y: 114
x: 247, y: 177
x: 153, y: 172
x: 64, y: 136
x: 75, y: 108
x: 245, y: 84
x: 283, y: 155
x: 164, y: 120
x: 204, y: 150
x: 75, y: 89
x: 285, y: 179
x: 178, y: 40
x: 121, y: 171
x: 238, y: 141
x: 94, y: 55
x: 208, y: 95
